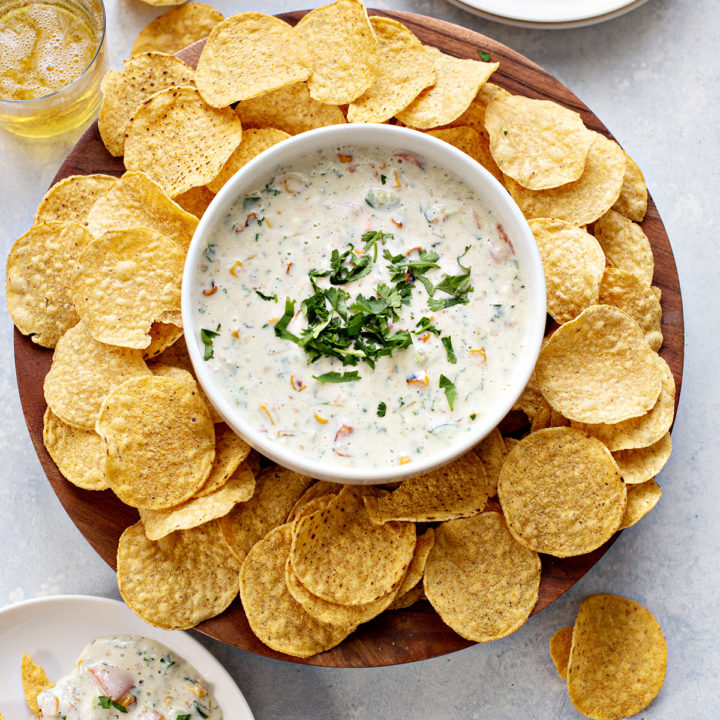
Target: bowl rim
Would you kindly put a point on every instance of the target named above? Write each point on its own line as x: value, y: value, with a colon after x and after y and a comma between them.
x: 399, y: 139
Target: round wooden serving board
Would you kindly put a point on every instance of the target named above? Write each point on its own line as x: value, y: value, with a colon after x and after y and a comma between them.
x: 399, y: 636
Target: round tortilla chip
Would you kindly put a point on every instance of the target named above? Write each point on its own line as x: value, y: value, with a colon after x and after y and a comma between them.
x: 70, y: 199
x: 188, y: 376
x: 599, y: 368
x: 253, y: 142
x: 290, y: 109
x: 416, y: 569
x: 641, y: 500
x: 177, y: 29
x: 274, y: 615
x: 492, y: 453
x: 339, y: 555
x: 162, y: 336
x: 179, y: 140
x: 632, y: 202
x: 79, y: 454
x: 457, y: 83
x: 136, y: 201
x: 471, y: 143
x: 618, y: 658
x: 561, y: 492
x: 249, y: 54
x: 344, y: 50
x: 627, y: 292
x: 320, y: 489
x: 538, y: 143
x: 625, y: 245
x: 573, y: 262
x: 409, y: 598
x: 159, y: 441
x: 643, y: 431
x: 560, y: 644
x: 584, y: 200
x: 38, y: 280
x: 127, y: 280
x: 195, y: 200
x: 178, y: 581
x: 83, y: 372
x: 230, y: 451
x: 482, y: 583
x: 405, y: 69
x: 474, y: 116
x: 642, y: 464
x: 34, y: 680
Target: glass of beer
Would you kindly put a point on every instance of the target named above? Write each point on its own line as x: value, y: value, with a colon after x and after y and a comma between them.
x: 51, y: 64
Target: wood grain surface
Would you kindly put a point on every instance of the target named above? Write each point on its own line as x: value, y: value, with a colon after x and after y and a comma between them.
x: 399, y: 636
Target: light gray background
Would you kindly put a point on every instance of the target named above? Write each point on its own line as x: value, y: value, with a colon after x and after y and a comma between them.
x: 652, y: 77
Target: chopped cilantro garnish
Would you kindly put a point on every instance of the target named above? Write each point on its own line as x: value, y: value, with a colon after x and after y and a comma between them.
x: 484, y: 56
x: 447, y: 342
x: 184, y: 716
x: 505, y: 132
x: 336, y: 377
x: 383, y: 179
x: 207, y: 337
x: 425, y: 325
x: 106, y: 703
x: 450, y: 390
x: 381, y: 409
x: 270, y: 189
x: 209, y: 252
x: 251, y: 200
x: 202, y: 711
x: 267, y: 297
x: 473, y: 416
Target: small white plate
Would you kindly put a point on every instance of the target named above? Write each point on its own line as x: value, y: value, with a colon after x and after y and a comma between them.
x: 54, y: 630
x: 549, y: 14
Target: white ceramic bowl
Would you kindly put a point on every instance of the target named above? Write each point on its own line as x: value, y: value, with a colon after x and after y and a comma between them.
x: 396, y: 139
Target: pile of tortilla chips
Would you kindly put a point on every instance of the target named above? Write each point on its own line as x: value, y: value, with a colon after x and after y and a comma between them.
x: 98, y: 278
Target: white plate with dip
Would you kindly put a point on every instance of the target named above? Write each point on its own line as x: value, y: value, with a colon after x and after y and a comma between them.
x: 315, y: 201
x: 54, y: 630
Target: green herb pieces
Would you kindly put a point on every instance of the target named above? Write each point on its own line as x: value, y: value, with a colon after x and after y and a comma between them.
x: 270, y: 188
x: 484, y: 56
x: 473, y: 416
x: 447, y: 342
x: 250, y: 201
x: 383, y: 179
x: 336, y: 377
x: 381, y: 409
x: 106, y: 703
x: 450, y: 390
x: 267, y: 297
x: 209, y: 251
x: 207, y: 337
x: 370, y: 239
x: 425, y: 325
x: 202, y: 711
x: 184, y: 716
x: 381, y: 199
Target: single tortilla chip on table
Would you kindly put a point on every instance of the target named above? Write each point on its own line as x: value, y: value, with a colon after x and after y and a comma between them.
x: 177, y: 29
x: 275, y: 617
x: 561, y: 492
x: 127, y: 280
x: 34, y: 680
x: 405, y: 69
x: 618, y: 658
x: 481, y: 581
x: 83, y: 372
x: 179, y: 140
x: 560, y: 644
x: 632, y: 202
x: 599, y: 368
x: 344, y: 50
x: 584, y: 200
x: 625, y: 245
x: 158, y: 368
x: 70, y: 199
x: 124, y: 91
x: 178, y: 581
x: 159, y: 441
x: 573, y: 262
x: 39, y: 277
x: 250, y: 54
x: 474, y: 116
x: 471, y: 143
x: 642, y: 464
x: 458, y: 82
x: 162, y: 335
x: 641, y: 500
x: 195, y: 200
x: 322, y: 488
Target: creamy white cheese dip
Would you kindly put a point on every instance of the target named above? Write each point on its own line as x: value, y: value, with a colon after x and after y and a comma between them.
x: 463, y: 302
x: 129, y: 677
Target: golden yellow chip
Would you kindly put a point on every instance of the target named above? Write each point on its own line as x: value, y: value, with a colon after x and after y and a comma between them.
x: 34, y: 680
x: 618, y: 658
x: 560, y: 644
x: 405, y: 69
x: 627, y: 292
x: 274, y: 615
x: 200, y: 509
x: 599, y: 368
x: 177, y: 581
x: 625, y: 245
x: 538, y: 143
x: 311, y: 506
x: 127, y: 280
x: 573, y: 262
x: 158, y: 368
x: 416, y: 569
x: 254, y: 141
x: 531, y: 399
x: 159, y: 441
x: 70, y: 199
x: 195, y: 200
x: 162, y: 336
x: 162, y: 3
x: 642, y: 464
x: 79, y: 454
x: 641, y: 500
x: 473, y: 144
x: 584, y: 200
x: 458, y: 82
x: 179, y: 140
x: 640, y: 431
x: 474, y: 116
x: 344, y: 51
x: 482, y: 583
x: 367, y: 560
x: 561, y: 492
x: 136, y: 201
x: 83, y: 372
x: 230, y: 451
x: 125, y: 91
x: 38, y: 280
x: 457, y: 490
x: 321, y: 488
x: 492, y: 453
x: 177, y: 29
x: 632, y: 202
x: 250, y: 54
x: 276, y: 491
x: 409, y: 598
